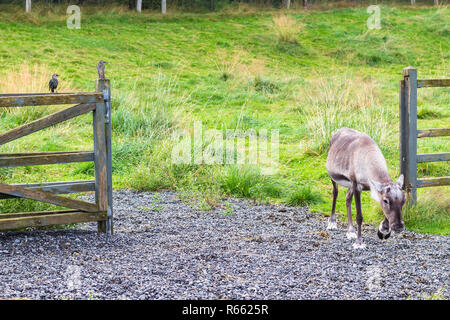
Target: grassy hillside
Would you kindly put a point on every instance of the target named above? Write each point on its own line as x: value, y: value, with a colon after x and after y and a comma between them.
x: 305, y: 74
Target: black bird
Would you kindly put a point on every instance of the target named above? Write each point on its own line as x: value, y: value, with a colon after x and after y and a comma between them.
x: 53, y: 83
x: 101, y: 69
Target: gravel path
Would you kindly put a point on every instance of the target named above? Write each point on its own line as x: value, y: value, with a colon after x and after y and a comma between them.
x: 163, y: 249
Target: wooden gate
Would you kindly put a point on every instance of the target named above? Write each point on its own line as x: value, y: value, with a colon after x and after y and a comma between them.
x: 409, y: 134
x: 78, y: 211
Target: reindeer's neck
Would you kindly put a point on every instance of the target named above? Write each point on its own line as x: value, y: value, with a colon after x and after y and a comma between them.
x: 376, y: 165
x: 381, y: 176
x: 377, y: 171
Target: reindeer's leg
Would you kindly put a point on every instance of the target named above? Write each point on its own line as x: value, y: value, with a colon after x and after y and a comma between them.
x: 359, y: 218
x: 348, y: 201
x: 332, y: 225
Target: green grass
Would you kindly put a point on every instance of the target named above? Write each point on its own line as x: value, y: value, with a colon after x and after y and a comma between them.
x: 304, y: 196
x: 231, y: 70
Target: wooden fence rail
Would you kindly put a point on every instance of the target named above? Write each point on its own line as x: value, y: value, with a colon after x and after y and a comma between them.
x: 99, y: 104
x: 409, y: 134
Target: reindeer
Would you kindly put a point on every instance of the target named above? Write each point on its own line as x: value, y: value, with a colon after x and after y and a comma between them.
x: 355, y: 161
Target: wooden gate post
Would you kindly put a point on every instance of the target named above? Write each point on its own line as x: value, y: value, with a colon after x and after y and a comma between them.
x: 404, y: 130
x: 408, y: 132
x: 102, y: 154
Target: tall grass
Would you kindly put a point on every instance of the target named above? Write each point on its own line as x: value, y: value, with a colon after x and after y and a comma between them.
x: 32, y: 79
x: 431, y: 209
x: 238, y: 65
x: 248, y: 182
x: 152, y: 113
x: 286, y: 29
x: 229, y: 65
x: 29, y: 79
x: 303, y: 196
x: 144, y: 114
x: 335, y: 103
x: 239, y: 181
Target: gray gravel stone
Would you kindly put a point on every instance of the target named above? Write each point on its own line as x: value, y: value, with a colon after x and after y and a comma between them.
x: 164, y: 249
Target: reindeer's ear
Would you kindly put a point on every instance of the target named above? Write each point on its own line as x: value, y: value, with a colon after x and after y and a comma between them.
x: 375, y: 190
x: 375, y: 185
x: 400, y: 181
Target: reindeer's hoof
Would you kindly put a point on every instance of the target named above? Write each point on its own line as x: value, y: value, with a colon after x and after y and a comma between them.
x: 382, y: 235
x: 359, y: 246
x: 332, y: 225
x: 350, y: 235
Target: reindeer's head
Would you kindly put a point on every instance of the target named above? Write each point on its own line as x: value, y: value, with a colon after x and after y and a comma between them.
x: 392, y: 199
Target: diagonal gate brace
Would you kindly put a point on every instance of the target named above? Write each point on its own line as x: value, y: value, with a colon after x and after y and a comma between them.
x: 45, y: 122
x: 47, y: 197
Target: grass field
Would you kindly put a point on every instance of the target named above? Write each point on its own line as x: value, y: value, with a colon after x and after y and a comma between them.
x: 303, y: 73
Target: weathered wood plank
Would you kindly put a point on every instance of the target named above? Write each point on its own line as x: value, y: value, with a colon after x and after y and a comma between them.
x: 425, y: 133
x: 43, y: 159
x: 433, y: 157
x: 403, y: 128
x: 31, y: 94
x: 108, y: 136
x: 63, y: 187
x: 47, y: 197
x: 50, y: 219
x: 32, y: 214
x: 46, y: 122
x: 99, y: 119
x: 104, y: 86
x: 410, y: 78
x: 12, y: 155
x: 433, y: 182
x: 23, y: 100
x: 424, y: 83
